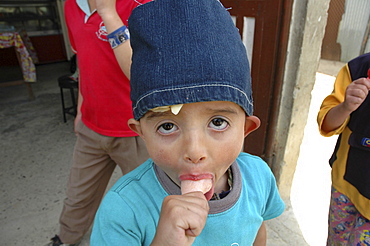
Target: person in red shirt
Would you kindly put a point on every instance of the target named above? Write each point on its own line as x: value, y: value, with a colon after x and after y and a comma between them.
x: 104, y: 139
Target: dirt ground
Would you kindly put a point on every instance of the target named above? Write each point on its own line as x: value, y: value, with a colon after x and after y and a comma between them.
x: 35, y: 151
x: 35, y: 148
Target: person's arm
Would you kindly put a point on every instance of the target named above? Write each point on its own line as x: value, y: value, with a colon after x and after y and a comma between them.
x: 355, y: 95
x: 182, y: 219
x: 261, y: 238
x: 73, y: 48
x: 112, y: 21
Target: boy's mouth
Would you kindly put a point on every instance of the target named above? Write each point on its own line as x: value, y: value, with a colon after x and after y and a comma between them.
x: 202, y: 183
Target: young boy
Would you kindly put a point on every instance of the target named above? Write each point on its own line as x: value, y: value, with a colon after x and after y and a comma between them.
x: 346, y: 112
x: 192, y: 103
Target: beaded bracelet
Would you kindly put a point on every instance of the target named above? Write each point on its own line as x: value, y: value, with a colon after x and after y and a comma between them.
x: 118, y: 37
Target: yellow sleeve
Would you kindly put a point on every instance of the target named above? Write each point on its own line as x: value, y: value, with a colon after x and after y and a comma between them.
x: 342, y: 80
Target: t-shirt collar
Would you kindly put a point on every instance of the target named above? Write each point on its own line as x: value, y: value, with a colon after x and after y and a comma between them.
x: 84, y: 6
x: 216, y: 206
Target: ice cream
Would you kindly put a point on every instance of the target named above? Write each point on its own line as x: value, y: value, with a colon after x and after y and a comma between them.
x: 203, y: 185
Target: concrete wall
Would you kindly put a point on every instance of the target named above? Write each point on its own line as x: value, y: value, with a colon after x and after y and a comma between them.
x: 304, y: 48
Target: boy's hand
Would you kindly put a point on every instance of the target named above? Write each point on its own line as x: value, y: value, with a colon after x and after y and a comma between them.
x: 105, y: 7
x: 356, y: 93
x: 182, y: 218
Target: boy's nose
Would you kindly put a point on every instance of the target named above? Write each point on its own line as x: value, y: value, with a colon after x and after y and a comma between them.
x: 195, y: 150
x: 195, y: 159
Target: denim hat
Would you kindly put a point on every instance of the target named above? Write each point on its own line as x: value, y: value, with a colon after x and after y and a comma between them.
x: 186, y: 51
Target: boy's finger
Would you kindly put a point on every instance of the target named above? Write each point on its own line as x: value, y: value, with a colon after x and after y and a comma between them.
x: 198, y: 194
x: 363, y: 81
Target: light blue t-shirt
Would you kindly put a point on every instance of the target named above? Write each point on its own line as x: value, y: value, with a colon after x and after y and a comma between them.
x: 129, y: 213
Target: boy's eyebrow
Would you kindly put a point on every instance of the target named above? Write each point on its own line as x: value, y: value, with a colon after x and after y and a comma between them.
x: 151, y: 115
x: 229, y: 110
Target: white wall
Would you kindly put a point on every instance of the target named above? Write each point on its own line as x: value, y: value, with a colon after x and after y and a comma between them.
x: 352, y: 28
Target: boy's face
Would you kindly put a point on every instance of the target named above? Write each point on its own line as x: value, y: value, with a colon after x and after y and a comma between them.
x: 204, y: 139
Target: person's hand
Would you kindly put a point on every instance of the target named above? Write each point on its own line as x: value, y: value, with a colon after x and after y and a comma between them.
x: 356, y: 93
x: 182, y: 219
x: 108, y: 12
x: 105, y: 7
x: 77, y: 119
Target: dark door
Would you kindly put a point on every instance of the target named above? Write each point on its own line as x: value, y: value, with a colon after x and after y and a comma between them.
x: 270, y: 21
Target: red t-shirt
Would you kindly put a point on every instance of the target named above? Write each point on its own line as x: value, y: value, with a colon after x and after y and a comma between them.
x: 105, y: 89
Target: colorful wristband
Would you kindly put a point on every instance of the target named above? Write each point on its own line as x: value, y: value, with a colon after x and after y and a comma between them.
x: 118, y: 37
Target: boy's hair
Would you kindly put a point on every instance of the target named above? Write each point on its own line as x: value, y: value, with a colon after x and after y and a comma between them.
x: 186, y: 51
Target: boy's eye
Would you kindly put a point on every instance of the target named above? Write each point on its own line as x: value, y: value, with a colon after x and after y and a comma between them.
x: 219, y: 124
x: 167, y: 128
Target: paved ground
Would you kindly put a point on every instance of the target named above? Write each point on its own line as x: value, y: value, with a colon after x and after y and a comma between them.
x: 305, y: 220
x: 35, y: 154
x: 310, y: 194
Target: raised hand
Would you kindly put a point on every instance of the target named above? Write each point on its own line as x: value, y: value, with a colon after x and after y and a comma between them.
x: 182, y: 219
x: 105, y: 7
x: 112, y: 21
x: 356, y: 94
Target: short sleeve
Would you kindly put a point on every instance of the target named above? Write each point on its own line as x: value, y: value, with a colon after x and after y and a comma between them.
x: 274, y: 204
x: 114, y: 223
x: 342, y: 80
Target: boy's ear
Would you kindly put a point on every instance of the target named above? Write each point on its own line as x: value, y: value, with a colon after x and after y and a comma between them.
x: 252, y: 123
x: 136, y: 127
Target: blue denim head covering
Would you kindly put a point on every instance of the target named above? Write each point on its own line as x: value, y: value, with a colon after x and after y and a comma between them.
x: 186, y: 51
